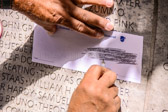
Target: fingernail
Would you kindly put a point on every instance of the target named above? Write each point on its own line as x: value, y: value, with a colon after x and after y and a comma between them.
x: 109, y: 26
x: 50, y: 33
x: 99, y: 35
x: 109, y: 3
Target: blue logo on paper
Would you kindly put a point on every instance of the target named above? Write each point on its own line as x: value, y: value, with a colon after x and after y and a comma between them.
x: 122, y: 38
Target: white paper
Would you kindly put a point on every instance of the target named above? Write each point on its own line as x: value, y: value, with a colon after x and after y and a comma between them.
x: 120, y: 52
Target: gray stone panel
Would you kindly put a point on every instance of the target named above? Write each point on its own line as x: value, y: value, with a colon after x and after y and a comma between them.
x: 157, y: 90
x: 33, y: 87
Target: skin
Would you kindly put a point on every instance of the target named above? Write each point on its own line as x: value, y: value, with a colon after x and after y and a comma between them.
x: 96, y: 92
x: 49, y: 13
x: 1, y: 29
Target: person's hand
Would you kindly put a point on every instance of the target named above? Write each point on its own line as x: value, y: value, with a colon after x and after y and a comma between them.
x: 49, y: 13
x: 96, y: 92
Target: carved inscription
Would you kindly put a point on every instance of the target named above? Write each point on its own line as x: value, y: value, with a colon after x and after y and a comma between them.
x: 32, y: 87
x: 119, y: 14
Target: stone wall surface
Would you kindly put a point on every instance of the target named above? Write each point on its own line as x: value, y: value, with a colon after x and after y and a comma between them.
x: 157, y: 94
x: 31, y: 87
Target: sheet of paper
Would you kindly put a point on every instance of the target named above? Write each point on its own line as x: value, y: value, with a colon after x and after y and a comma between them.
x: 118, y: 51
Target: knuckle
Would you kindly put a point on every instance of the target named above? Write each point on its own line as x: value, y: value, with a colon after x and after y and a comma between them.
x: 59, y: 19
x: 103, y: 22
x: 109, y: 75
x: 83, y: 86
x: 99, y: 91
x: 55, y: 17
x: 119, y: 100
x: 87, y: 88
x: 106, y: 98
x: 95, y: 67
x: 80, y: 27
x: 115, y: 91
x: 115, y: 75
x: 84, y: 17
x: 91, y: 90
x: 82, y: 1
x: 112, y: 74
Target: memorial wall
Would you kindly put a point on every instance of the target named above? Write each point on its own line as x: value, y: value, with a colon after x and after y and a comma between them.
x: 26, y: 86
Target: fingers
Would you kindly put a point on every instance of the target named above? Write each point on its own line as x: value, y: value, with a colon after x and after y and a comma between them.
x: 107, y: 3
x: 51, y: 29
x: 108, y: 79
x: 113, y: 91
x: 117, y: 102
x: 92, y: 19
x: 82, y: 28
x: 95, y: 72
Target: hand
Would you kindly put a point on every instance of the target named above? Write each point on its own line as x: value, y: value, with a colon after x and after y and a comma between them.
x: 96, y: 92
x: 49, y: 13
